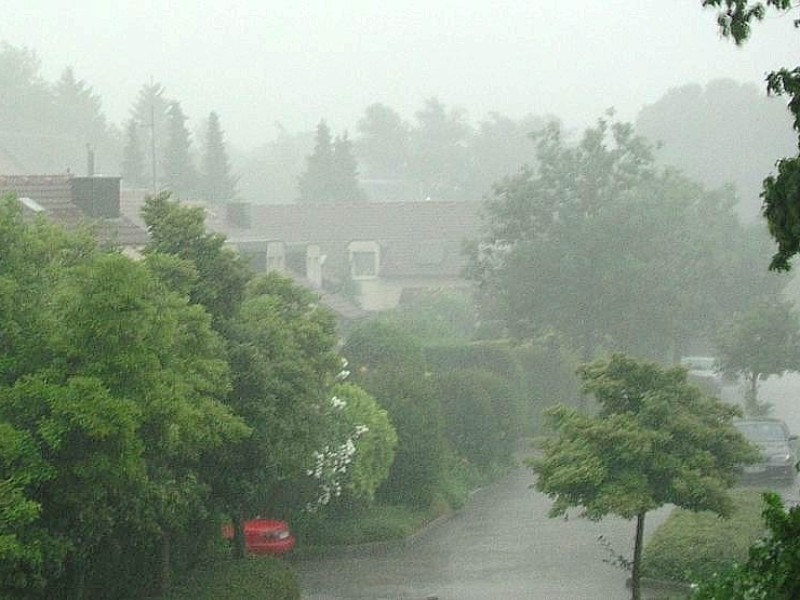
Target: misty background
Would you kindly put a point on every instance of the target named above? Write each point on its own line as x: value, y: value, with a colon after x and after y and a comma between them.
x: 494, y: 71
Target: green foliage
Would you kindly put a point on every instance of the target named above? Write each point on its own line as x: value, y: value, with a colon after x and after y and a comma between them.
x: 655, y: 440
x: 414, y: 410
x: 180, y: 231
x: 258, y: 579
x: 438, y: 317
x: 218, y: 184
x: 691, y: 122
x: 770, y: 571
x: 179, y: 173
x: 331, y: 173
x: 781, y: 192
x: 601, y: 247
x: 375, y: 447
x: 376, y: 523
x: 760, y: 343
x: 479, y: 411
x: 694, y: 546
x: 376, y: 346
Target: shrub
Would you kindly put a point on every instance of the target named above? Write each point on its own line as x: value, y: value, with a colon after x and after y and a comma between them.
x: 256, y: 578
x: 478, y: 415
x: 693, y: 546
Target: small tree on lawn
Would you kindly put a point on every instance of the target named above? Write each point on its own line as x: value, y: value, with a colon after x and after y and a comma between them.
x: 759, y: 343
x: 655, y: 440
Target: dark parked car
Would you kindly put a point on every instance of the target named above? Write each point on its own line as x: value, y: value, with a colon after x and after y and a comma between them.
x: 778, y: 448
x: 264, y: 536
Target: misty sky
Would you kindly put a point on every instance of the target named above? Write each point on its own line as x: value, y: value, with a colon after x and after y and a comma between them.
x: 261, y: 62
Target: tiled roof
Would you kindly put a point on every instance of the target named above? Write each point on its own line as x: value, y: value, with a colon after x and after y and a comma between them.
x: 416, y: 238
x: 53, y: 193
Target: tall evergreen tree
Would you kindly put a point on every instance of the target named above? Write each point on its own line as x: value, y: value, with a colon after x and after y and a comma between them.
x: 314, y: 184
x: 345, y: 171
x: 218, y: 184
x: 150, y: 112
x: 133, y: 161
x: 331, y: 171
x: 180, y: 175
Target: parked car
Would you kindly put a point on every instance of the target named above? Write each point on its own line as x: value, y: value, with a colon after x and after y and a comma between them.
x: 264, y: 536
x: 778, y: 448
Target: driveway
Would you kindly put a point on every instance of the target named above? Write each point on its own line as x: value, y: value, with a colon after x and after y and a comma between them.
x: 501, y: 545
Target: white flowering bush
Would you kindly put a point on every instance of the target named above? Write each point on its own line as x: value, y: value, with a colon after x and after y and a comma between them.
x: 361, y: 451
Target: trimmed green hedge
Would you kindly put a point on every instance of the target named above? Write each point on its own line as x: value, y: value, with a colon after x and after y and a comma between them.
x: 256, y: 578
x: 691, y: 546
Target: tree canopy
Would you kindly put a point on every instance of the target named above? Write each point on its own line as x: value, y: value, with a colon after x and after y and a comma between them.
x: 600, y: 245
x: 781, y: 191
x: 655, y: 440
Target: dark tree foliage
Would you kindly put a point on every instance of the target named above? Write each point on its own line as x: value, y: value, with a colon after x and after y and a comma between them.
x: 770, y: 572
x: 218, y: 183
x: 180, y: 175
x: 781, y: 193
x: 331, y: 173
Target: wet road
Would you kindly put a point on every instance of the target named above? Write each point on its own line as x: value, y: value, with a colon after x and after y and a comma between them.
x: 501, y: 545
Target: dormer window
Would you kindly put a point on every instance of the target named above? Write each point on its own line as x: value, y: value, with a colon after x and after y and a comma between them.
x: 364, y: 259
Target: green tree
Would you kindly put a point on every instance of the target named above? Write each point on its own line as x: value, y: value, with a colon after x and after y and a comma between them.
x: 758, y: 344
x: 656, y: 440
x: 314, y: 184
x: 770, y: 572
x: 345, y: 171
x: 382, y: 144
x: 281, y: 348
x: 149, y: 111
x: 439, y: 151
x: 179, y: 173
x: 693, y: 124
x: 331, y: 170
x: 218, y: 184
x: 215, y: 277
x: 598, y: 244
x: 781, y: 192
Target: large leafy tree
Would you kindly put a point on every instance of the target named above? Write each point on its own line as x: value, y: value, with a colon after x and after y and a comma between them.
x: 693, y: 123
x: 383, y: 142
x: 111, y: 395
x: 781, y: 192
x: 760, y: 343
x: 597, y: 243
x: 655, y: 440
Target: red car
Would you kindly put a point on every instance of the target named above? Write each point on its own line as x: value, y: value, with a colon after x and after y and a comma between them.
x: 264, y: 536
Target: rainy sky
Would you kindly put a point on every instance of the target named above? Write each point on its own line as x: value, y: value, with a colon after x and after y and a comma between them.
x: 293, y: 62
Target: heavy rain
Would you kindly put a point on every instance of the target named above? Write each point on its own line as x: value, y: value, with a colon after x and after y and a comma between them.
x: 399, y: 301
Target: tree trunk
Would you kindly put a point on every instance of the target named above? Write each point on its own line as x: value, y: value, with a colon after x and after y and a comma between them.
x: 239, y: 546
x: 636, y: 591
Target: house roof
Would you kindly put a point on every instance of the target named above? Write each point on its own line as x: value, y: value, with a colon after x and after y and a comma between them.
x: 53, y: 195
x: 416, y: 239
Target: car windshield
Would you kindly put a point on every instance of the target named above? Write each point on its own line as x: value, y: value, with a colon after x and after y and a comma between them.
x: 762, y: 432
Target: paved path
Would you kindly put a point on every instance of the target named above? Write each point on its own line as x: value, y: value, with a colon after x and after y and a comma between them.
x: 502, y: 545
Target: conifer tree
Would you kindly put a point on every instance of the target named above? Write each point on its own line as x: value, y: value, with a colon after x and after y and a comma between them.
x: 331, y: 173
x: 218, y: 184
x: 345, y: 171
x: 180, y: 175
